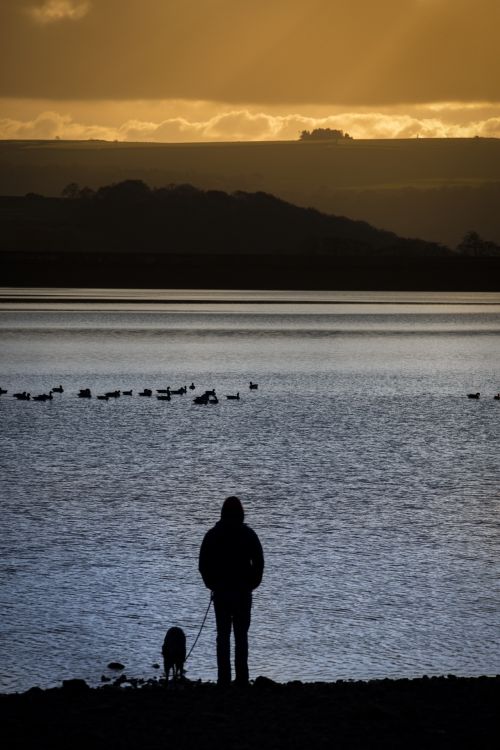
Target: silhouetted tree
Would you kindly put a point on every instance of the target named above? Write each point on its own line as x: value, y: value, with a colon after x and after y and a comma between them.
x: 71, y: 191
x: 324, y: 134
x: 86, y: 193
x: 128, y: 191
x: 473, y: 244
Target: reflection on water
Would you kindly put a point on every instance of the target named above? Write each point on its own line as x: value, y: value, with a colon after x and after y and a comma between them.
x: 370, y: 478
x: 232, y: 300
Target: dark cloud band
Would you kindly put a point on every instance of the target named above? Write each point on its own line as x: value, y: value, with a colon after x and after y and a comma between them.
x: 359, y: 53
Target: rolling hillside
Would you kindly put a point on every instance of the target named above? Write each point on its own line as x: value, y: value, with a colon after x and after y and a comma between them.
x: 129, y: 235
x: 435, y: 189
x: 129, y: 217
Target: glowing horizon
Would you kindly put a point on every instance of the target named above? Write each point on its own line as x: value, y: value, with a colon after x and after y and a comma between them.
x: 206, y: 122
x: 221, y: 70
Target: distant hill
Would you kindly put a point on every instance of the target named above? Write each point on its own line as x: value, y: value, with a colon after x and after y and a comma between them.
x: 128, y: 235
x: 435, y: 189
x: 129, y: 217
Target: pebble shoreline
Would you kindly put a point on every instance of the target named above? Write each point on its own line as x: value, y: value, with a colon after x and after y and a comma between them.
x: 425, y: 712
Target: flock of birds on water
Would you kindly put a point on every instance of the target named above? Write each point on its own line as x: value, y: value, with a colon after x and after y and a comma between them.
x: 162, y: 394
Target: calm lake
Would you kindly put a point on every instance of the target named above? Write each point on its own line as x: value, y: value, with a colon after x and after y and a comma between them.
x: 372, y: 480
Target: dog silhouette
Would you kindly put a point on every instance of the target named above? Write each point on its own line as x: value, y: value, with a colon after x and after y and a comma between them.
x: 174, y: 653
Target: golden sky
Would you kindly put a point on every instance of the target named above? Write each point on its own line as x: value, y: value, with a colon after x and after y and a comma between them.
x: 184, y: 70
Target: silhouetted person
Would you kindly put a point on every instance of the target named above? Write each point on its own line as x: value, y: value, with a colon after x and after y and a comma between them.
x: 231, y: 564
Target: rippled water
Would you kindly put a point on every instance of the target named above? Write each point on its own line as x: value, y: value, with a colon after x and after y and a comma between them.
x: 371, y: 479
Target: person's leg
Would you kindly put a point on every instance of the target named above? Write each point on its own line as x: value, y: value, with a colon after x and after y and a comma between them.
x: 223, y: 620
x: 241, y: 622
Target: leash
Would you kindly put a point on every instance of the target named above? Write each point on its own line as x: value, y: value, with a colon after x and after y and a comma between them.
x: 201, y: 627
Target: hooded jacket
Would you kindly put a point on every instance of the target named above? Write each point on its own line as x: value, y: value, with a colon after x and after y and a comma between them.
x: 231, y: 557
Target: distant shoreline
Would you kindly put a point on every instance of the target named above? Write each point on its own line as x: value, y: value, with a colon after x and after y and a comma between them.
x: 87, y: 296
x: 278, y: 273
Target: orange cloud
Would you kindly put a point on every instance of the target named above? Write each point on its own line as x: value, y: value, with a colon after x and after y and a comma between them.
x: 51, y: 125
x: 59, y: 10
x: 243, y: 124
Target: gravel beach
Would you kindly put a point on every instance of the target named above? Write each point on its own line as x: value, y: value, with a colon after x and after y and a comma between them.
x: 425, y: 712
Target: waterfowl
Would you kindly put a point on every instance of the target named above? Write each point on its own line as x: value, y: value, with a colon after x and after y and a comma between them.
x: 234, y: 398
x: 192, y: 387
x: 203, y: 399
x: 497, y: 397
x: 164, y: 398
x: 59, y: 389
x: 84, y: 393
x: 473, y: 395
x: 253, y: 386
x: 22, y: 396
x: 103, y: 398
x: 2, y: 391
x: 179, y: 391
x: 163, y: 390
x: 126, y: 393
x: 43, y: 397
x: 213, y: 400
x: 113, y: 394
x: 146, y: 392
x: 210, y: 393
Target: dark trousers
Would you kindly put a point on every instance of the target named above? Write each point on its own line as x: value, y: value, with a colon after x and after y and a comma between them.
x: 232, y: 608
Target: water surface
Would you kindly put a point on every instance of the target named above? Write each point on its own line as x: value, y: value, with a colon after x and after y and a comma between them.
x: 371, y: 479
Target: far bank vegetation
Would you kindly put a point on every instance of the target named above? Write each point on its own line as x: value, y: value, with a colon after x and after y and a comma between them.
x: 324, y: 134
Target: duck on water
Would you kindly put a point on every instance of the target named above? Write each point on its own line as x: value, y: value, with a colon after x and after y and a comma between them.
x: 209, y: 397
x: 43, y: 397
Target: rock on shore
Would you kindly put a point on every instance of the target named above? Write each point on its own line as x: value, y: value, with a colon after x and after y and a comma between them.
x: 426, y: 712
